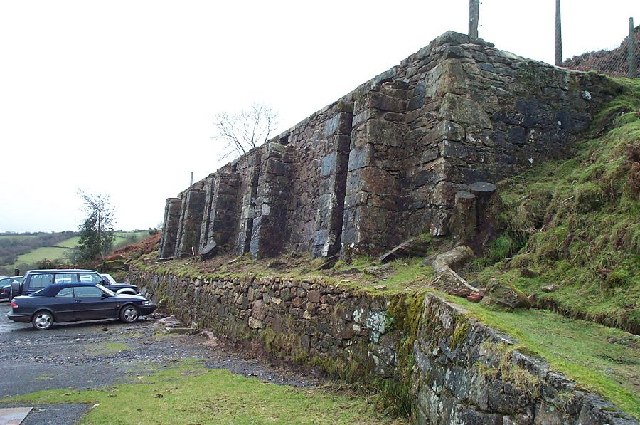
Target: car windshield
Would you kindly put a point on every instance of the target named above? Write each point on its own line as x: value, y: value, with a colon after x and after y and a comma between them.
x: 106, y: 290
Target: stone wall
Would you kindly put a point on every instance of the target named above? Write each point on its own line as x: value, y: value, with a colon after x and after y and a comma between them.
x: 464, y: 373
x: 390, y: 160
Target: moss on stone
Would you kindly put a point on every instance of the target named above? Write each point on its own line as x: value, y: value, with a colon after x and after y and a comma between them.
x: 459, y: 333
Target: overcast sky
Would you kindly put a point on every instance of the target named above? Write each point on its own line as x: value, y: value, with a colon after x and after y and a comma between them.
x: 118, y: 97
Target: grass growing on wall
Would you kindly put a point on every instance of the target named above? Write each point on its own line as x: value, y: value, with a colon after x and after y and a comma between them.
x: 191, y: 394
x: 599, y: 358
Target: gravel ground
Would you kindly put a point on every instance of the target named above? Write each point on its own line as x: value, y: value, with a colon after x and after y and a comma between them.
x: 77, y: 356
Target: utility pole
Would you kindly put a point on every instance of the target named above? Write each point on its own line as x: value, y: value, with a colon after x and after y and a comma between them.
x: 558, y: 35
x: 631, y: 51
x: 474, y: 17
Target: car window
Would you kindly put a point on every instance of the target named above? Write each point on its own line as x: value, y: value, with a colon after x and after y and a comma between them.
x: 65, y: 278
x: 39, y: 281
x: 87, y: 292
x: 90, y: 278
x: 65, y: 293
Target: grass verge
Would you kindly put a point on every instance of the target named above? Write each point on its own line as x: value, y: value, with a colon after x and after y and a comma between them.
x: 191, y: 394
x: 599, y: 358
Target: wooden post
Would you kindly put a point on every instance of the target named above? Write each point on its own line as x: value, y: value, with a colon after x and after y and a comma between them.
x: 474, y: 17
x: 631, y: 51
x: 558, y: 35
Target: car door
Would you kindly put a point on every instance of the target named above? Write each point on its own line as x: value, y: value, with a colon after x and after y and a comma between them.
x: 62, y: 305
x: 90, y: 304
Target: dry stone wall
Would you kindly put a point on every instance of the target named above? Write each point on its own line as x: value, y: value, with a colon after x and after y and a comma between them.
x: 393, y: 158
x: 464, y: 373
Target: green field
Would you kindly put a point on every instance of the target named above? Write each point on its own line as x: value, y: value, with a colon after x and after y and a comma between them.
x: 44, y: 253
x: 61, y: 250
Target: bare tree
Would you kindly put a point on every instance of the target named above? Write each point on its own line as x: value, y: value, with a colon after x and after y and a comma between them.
x: 245, y: 130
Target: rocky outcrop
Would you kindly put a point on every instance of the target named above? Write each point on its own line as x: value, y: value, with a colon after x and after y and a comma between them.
x: 464, y: 373
x: 416, y: 150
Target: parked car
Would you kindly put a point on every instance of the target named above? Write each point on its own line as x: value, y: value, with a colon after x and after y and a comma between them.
x: 119, y: 288
x: 34, y: 280
x: 71, y: 302
x: 6, y: 285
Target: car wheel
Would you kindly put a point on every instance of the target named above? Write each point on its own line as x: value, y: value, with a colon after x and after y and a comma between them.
x: 129, y: 313
x: 42, y: 320
x: 126, y: 292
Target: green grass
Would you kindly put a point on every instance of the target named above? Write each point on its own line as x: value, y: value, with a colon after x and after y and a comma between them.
x: 69, y: 243
x: 191, y: 394
x: 602, y: 359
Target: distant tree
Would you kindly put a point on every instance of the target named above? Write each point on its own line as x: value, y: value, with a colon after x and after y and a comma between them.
x: 96, y: 232
x: 245, y: 130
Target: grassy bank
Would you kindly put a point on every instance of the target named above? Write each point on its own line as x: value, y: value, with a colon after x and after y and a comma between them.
x: 600, y: 359
x: 570, y: 230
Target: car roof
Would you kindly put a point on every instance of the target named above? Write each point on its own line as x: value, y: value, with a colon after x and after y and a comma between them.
x: 55, y: 287
x: 61, y: 271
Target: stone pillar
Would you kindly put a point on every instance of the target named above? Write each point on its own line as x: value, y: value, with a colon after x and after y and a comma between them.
x: 190, y: 223
x: 170, y: 227
x: 333, y: 175
x: 373, y: 202
x: 464, y: 218
x: 270, y: 216
x: 483, y: 191
x: 220, y: 217
x: 247, y: 192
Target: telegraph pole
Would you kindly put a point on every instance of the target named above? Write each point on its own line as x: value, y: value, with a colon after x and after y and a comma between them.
x: 558, y: 35
x: 631, y: 52
x: 474, y: 17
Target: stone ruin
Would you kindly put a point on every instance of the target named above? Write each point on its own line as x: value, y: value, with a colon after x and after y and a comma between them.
x: 417, y: 149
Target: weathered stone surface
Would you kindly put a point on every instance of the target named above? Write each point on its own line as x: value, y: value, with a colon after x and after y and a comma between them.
x: 385, y: 162
x: 190, y: 223
x: 414, y: 247
x: 170, y: 227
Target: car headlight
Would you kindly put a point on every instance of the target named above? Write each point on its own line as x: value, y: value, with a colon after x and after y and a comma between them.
x: 146, y: 302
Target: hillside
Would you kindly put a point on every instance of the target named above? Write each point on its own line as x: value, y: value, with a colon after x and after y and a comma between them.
x: 24, y: 251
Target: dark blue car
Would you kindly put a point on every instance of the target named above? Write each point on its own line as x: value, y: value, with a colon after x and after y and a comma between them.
x: 6, y: 285
x: 70, y: 302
